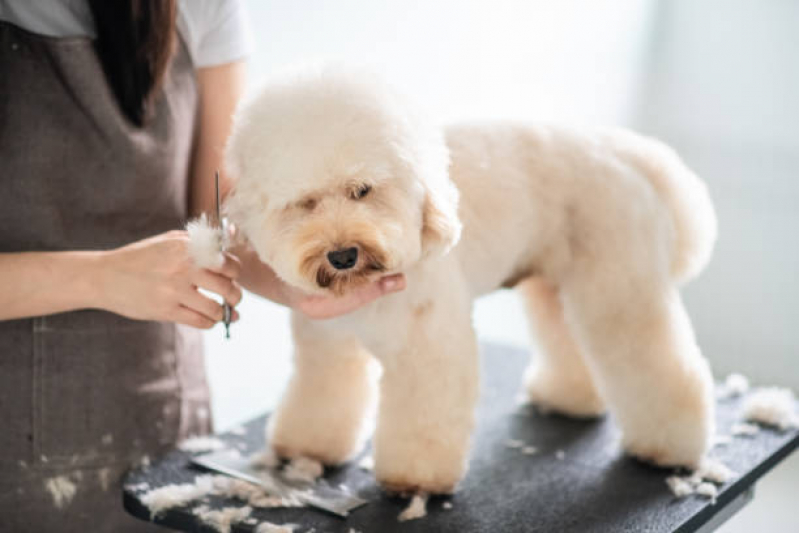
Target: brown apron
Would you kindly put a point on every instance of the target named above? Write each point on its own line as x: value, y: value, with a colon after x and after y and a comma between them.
x: 85, y: 394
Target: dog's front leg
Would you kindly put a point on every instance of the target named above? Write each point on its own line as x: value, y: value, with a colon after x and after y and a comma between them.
x: 324, y: 411
x: 428, y: 391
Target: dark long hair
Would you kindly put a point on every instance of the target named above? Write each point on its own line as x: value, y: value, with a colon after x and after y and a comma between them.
x: 135, y: 42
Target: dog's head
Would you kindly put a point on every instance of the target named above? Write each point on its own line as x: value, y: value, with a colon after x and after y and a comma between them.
x: 338, y: 181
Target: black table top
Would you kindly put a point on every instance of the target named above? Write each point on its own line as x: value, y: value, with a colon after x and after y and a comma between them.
x: 592, y: 488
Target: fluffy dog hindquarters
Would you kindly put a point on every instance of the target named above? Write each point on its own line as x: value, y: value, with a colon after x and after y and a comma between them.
x: 613, y: 239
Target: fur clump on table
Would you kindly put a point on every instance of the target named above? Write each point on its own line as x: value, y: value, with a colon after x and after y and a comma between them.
x: 417, y: 508
x: 772, y: 406
x: 222, y: 519
x: 201, y: 444
x: 176, y: 495
x: 734, y: 385
x: 269, y: 527
x: 701, y: 482
x: 303, y: 469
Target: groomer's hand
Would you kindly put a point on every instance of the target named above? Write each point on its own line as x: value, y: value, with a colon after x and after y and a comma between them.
x: 155, y: 279
x: 321, y: 307
x: 259, y: 278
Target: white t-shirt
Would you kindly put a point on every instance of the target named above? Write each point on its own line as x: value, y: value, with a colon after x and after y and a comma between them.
x: 215, y: 31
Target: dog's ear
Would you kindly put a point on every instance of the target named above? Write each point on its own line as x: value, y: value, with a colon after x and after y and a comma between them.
x: 246, y: 213
x: 441, y: 227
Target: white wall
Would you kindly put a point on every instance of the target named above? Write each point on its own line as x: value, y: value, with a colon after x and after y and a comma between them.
x: 723, y: 88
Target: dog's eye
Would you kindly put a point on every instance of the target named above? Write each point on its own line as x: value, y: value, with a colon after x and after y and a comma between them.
x: 308, y: 204
x: 361, y: 191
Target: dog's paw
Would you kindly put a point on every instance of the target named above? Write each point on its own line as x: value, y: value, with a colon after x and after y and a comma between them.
x: 408, y: 485
x: 421, y: 465
x: 330, y: 452
x: 674, y: 443
x: 565, y: 395
x: 407, y: 488
x: 675, y: 435
x: 666, y: 456
x: 673, y: 423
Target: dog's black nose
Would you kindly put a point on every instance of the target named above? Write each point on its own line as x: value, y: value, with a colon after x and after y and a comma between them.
x: 343, y: 259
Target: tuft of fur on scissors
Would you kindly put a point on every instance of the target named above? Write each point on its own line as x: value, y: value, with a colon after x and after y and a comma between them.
x: 205, y: 243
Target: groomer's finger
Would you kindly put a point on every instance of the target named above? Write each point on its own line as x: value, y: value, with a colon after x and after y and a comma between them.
x: 207, y: 307
x: 231, y: 268
x: 218, y: 284
x: 393, y: 283
x: 190, y: 317
x: 322, y: 307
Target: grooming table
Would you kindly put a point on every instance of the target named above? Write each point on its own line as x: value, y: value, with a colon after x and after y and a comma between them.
x: 578, y: 481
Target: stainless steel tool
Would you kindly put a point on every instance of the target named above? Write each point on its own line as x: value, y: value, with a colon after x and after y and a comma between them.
x: 319, y: 494
x: 223, y: 228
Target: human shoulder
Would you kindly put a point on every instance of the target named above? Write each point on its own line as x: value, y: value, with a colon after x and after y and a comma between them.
x: 215, y: 31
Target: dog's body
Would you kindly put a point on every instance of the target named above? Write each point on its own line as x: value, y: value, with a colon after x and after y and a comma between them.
x: 596, y: 230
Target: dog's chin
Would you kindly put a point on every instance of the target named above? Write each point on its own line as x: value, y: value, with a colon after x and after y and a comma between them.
x: 342, y: 282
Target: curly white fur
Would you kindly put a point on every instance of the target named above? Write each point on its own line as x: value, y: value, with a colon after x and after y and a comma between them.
x: 205, y: 243
x: 597, y: 228
x: 772, y: 406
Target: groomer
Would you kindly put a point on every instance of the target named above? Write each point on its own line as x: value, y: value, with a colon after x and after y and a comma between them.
x: 113, y: 118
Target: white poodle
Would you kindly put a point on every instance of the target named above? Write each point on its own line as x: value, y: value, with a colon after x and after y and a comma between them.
x: 339, y: 182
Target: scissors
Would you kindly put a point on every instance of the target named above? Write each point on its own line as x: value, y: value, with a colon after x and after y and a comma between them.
x: 223, y: 227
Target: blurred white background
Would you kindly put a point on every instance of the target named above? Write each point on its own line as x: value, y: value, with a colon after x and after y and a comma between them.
x: 717, y: 79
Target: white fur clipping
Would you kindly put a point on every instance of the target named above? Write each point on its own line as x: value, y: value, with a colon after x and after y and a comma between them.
x: 222, y: 519
x: 303, y: 469
x: 139, y: 487
x: 265, y: 459
x: 269, y: 527
x: 679, y: 486
x: 169, y: 496
x: 205, y: 243
x: 201, y: 444
x: 702, y: 481
x: 734, y: 385
x: 772, y: 406
x: 720, y: 440
x: 708, y: 490
x: 416, y: 509
x: 715, y: 471
x: 367, y: 463
x: 743, y: 429
x: 62, y: 489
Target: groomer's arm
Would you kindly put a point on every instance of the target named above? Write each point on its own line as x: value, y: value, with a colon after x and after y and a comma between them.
x: 220, y: 89
x: 41, y: 283
x: 150, y: 279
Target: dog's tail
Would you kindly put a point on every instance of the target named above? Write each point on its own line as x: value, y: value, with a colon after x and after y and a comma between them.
x: 684, y: 193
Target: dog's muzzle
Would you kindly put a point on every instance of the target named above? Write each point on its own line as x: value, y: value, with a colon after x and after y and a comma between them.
x: 343, y: 259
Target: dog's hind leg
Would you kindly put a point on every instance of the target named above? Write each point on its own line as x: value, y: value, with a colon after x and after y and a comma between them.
x: 643, y: 352
x: 329, y: 399
x: 557, y: 378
